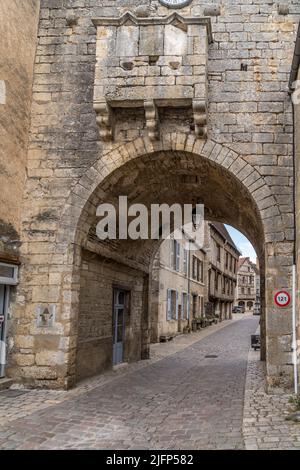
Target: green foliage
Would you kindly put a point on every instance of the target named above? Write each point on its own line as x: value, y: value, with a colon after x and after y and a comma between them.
x: 295, y: 401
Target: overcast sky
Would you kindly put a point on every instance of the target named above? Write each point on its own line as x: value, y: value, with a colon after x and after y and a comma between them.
x: 242, y: 243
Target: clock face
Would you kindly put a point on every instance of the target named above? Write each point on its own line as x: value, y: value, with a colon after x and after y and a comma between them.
x: 175, y: 3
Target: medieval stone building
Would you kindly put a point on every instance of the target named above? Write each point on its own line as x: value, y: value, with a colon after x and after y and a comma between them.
x: 160, y: 105
x: 247, y: 289
x: 178, y: 288
x: 223, y: 258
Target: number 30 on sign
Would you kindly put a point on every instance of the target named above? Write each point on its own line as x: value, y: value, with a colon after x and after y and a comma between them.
x: 282, y: 299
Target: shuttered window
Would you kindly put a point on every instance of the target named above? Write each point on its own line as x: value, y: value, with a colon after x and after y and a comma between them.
x: 172, y: 304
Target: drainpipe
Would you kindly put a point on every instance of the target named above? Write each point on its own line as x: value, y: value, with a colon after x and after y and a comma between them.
x: 294, y: 339
x: 293, y: 78
x: 294, y: 279
x: 189, y: 299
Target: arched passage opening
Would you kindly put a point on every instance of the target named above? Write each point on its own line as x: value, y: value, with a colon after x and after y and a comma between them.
x: 106, y: 268
x: 84, y: 271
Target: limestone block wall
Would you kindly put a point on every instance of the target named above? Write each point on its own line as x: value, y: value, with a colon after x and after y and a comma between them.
x: 249, y: 110
x: 249, y: 117
x: 17, y: 55
x: 150, y: 63
x: 164, y: 277
x: 95, y: 320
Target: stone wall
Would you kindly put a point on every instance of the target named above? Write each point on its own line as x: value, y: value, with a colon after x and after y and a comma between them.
x: 164, y: 277
x: 18, y: 31
x: 95, y: 320
x: 249, y: 134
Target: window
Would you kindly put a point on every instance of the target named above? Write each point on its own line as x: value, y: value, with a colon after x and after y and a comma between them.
x: 201, y: 303
x: 184, y: 306
x: 201, y: 271
x: 185, y: 261
x: 194, y: 267
x: 218, y: 252
x: 216, y: 281
x: 231, y: 260
x: 243, y: 290
x: 175, y: 255
x: 198, y: 271
x: 195, y: 305
x: 8, y: 274
x: 226, y: 260
x: 249, y: 290
x: 172, y: 304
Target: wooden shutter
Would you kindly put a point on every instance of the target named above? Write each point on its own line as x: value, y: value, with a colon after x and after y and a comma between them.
x: 188, y: 307
x: 182, y: 306
x: 177, y: 256
x: 169, y: 311
x: 172, y: 254
x: 177, y: 305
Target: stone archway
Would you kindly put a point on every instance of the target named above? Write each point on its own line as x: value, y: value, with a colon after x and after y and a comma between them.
x: 157, y: 172
x: 217, y: 154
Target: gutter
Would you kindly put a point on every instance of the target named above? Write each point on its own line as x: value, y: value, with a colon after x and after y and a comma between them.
x: 292, y: 87
x: 296, y: 62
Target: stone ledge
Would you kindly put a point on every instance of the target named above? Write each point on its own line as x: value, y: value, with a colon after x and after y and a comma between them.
x: 5, y: 383
x: 128, y: 18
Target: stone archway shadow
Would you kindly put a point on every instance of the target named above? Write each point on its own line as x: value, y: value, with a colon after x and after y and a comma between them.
x: 102, y: 181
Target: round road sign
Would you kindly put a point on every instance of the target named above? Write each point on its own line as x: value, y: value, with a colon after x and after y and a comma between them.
x: 282, y: 299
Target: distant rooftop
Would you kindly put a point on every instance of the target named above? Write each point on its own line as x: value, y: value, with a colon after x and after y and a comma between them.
x: 219, y: 227
x: 242, y: 260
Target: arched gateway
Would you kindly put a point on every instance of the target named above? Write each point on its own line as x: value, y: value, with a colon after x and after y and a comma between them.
x: 178, y: 169
x: 170, y: 127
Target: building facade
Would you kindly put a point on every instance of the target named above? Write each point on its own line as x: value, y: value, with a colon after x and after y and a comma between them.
x: 163, y: 106
x: 222, y: 271
x: 248, y: 284
x: 17, y: 54
x: 179, y: 288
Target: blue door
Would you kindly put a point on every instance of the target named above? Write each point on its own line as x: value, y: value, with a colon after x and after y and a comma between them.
x: 118, y: 325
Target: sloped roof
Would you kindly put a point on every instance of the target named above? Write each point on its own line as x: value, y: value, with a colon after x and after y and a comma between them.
x: 242, y: 260
x: 225, y: 234
x: 255, y: 267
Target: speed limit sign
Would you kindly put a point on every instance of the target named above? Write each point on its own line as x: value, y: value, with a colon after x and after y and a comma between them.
x: 282, y: 298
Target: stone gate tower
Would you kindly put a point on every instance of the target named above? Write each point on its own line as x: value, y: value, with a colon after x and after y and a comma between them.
x: 162, y: 105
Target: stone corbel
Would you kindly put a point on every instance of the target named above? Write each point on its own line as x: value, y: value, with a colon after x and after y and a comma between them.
x: 104, y: 120
x: 200, y: 118
x: 152, y: 119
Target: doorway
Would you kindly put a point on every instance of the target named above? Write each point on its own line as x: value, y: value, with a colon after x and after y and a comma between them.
x: 120, y: 300
x: 4, y: 299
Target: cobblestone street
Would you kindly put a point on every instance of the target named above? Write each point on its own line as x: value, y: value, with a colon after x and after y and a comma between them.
x: 180, y: 399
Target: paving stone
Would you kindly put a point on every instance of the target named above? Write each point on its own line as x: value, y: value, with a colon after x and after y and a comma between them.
x: 268, y: 430
x: 178, y: 400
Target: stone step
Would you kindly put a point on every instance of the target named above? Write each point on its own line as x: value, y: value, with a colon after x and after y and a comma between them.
x: 5, y: 383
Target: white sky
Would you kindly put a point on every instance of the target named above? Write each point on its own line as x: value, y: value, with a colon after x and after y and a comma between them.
x: 242, y: 243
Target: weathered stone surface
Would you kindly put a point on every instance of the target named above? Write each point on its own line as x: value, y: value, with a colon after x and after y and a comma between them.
x: 249, y: 114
